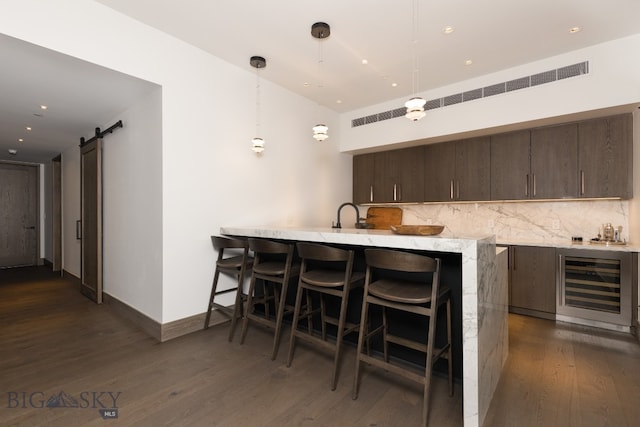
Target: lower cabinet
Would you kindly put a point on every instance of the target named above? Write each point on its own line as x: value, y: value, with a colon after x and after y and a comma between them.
x: 532, y: 281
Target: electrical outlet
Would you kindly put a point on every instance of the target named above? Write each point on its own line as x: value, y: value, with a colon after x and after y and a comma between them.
x: 555, y: 224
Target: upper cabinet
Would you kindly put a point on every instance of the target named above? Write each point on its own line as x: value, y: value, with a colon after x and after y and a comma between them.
x: 395, y: 176
x: 554, y: 162
x: 510, y: 167
x: 605, y: 157
x: 589, y: 159
x: 457, y: 171
x: 363, y: 178
x: 535, y: 164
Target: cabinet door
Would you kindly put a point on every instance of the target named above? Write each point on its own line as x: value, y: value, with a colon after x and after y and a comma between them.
x: 404, y: 175
x: 554, y: 162
x: 363, y: 174
x: 510, y: 165
x: 439, y: 172
x: 605, y: 157
x: 533, y: 278
x: 473, y: 169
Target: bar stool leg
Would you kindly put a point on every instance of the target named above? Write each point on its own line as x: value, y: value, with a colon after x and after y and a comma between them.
x: 294, y: 325
x: 280, y: 301
x: 214, y: 286
x: 449, y: 351
x: 238, y: 310
x: 339, y: 336
x: 361, y: 335
x: 245, y: 320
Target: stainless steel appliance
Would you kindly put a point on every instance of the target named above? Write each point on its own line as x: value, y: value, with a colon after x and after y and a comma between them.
x: 594, y: 288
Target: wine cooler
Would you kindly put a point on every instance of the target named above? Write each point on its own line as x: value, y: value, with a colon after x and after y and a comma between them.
x: 595, y: 288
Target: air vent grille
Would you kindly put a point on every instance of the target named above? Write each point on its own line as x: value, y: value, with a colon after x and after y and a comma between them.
x: 550, y: 76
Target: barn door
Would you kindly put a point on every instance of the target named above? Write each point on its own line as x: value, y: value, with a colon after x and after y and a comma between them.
x: 90, y: 231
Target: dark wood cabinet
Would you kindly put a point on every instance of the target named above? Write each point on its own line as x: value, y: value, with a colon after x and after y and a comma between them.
x: 554, y: 162
x: 605, y: 156
x: 395, y: 176
x: 510, y: 165
x: 403, y: 176
x: 439, y: 172
x: 363, y: 178
x: 457, y: 171
x: 532, y: 280
x: 589, y: 159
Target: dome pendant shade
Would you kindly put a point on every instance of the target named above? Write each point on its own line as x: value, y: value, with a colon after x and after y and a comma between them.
x: 320, y: 132
x: 415, y: 108
x: 258, y: 145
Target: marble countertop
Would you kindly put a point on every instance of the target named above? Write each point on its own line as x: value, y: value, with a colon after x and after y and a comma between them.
x: 362, y: 237
x: 567, y: 244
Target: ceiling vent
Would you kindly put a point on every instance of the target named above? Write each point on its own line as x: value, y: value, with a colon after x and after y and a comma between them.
x: 550, y: 76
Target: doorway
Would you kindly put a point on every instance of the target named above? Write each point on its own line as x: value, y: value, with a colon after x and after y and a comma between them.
x: 19, y: 219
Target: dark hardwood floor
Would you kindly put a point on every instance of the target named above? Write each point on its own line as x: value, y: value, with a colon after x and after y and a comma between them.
x: 54, y: 342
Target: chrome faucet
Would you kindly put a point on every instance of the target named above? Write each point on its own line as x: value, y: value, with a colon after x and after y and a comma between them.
x: 338, y: 225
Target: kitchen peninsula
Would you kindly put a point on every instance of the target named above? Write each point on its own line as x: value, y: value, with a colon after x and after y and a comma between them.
x: 484, y: 297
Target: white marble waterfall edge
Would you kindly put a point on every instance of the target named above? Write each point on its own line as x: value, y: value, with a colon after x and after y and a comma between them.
x: 484, y: 294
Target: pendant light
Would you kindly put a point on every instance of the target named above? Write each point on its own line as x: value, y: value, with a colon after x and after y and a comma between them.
x: 415, y: 105
x: 320, y: 31
x: 257, y: 62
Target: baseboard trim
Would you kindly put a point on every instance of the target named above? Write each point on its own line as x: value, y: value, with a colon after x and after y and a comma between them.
x: 162, y: 331
x: 141, y: 320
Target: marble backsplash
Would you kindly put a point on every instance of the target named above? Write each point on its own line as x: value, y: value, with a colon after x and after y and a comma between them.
x: 531, y: 221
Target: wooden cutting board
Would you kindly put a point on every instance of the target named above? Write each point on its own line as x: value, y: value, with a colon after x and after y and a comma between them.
x: 383, y: 217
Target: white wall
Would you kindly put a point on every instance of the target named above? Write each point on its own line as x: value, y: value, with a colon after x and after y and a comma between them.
x: 210, y: 176
x: 132, y: 206
x: 612, y: 81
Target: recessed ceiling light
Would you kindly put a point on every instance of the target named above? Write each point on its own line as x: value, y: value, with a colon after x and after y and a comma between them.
x: 20, y: 140
x: 365, y: 62
x: 468, y: 62
x: 305, y: 84
x: 448, y: 29
x: 338, y: 101
x: 574, y: 30
x: 28, y: 128
x: 394, y: 84
x: 43, y: 107
x: 12, y: 151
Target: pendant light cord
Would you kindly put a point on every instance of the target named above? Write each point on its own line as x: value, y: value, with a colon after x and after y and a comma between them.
x: 257, y: 101
x: 415, y: 75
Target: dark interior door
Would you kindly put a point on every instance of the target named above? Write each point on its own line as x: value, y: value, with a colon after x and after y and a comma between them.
x: 91, y: 220
x: 18, y: 215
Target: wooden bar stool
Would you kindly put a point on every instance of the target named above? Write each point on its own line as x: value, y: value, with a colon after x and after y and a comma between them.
x: 325, y: 271
x: 234, y: 265
x: 274, y: 265
x: 406, y: 290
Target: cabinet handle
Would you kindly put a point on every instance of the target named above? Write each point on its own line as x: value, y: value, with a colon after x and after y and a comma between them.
x: 534, y: 185
x: 451, y: 190
x: 582, y: 183
x: 513, y: 258
x: 371, y: 193
x: 560, y: 280
x: 457, y: 190
x: 395, y: 192
x: 526, y: 185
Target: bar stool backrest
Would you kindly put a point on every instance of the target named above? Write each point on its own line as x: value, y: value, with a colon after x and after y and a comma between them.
x: 322, y: 253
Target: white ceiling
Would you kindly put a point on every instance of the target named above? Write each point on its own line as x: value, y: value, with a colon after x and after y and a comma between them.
x: 494, y: 34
